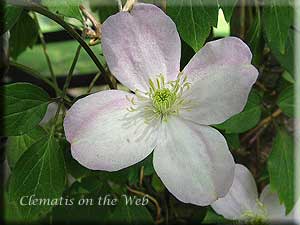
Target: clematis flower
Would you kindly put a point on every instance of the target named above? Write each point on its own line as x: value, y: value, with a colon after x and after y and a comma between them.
x: 242, y: 202
x: 170, y: 111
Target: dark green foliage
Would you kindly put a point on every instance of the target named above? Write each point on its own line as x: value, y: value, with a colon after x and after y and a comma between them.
x: 261, y: 136
x: 281, y: 168
x: 24, y: 107
x: 20, y: 38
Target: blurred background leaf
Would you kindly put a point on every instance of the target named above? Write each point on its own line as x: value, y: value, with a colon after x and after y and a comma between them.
x: 61, y: 55
x: 11, y: 16
x: 277, y: 22
x: 68, y: 8
x: 281, y: 168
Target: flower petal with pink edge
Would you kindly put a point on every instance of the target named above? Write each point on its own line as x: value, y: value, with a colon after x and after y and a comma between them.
x: 193, y: 162
x: 221, y: 78
x: 241, y: 198
x: 219, y: 95
x: 104, y: 135
x: 223, y: 52
x: 141, y: 45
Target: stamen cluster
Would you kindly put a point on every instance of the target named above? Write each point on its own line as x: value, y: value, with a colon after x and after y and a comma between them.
x: 259, y: 218
x: 163, y: 98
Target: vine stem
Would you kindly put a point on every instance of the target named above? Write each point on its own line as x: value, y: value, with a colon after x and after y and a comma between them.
x: 39, y: 76
x: 93, y: 82
x: 70, y: 74
x: 263, y: 124
x: 242, y: 19
x: 158, y: 209
x: 66, y: 85
x: 33, y: 73
x: 141, y: 176
x: 43, y: 11
x: 164, y: 5
x: 44, y: 46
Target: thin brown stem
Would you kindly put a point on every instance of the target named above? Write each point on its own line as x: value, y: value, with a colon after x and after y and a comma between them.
x: 263, y: 124
x: 164, y: 5
x: 242, y: 19
x: 141, y: 176
x: 128, y: 5
x: 95, y: 32
x: 155, y: 202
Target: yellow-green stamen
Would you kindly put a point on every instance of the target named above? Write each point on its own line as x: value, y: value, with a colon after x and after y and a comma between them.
x: 163, y: 98
x: 259, y: 218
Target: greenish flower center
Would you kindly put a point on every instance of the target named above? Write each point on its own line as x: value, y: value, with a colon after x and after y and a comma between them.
x: 259, y: 218
x: 163, y: 98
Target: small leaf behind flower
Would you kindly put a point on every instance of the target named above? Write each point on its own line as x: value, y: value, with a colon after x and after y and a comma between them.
x: 24, y: 107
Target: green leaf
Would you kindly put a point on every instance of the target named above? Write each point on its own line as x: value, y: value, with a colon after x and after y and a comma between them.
x: 130, y: 213
x: 17, y: 145
x: 11, y: 15
x: 277, y: 20
x: 288, y: 77
x: 68, y: 8
x: 194, y: 19
x: 281, y: 168
x: 11, y: 212
x: 24, y: 107
x: 227, y: 7
x: 90, y: 188
x: 286, y: 59
x: 255, y: 39
x: 245, y: 120
x: 23, y: 34
x: 40, y: 172
x: 73, y: 167
x: 233, y: 141
x: 213, y: 218
x: 187, y: 53
x: 81, y: 214
x: 157, y: 184
x: 286, y: 101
